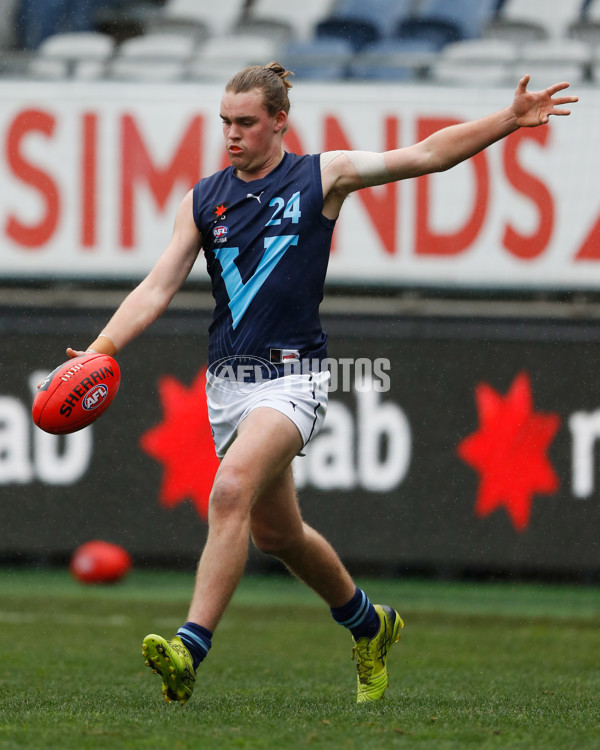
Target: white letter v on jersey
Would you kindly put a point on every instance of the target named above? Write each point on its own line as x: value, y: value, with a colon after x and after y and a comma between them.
x: 240, y: 294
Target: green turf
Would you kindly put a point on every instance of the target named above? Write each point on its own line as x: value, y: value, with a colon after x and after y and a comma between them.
x: 479, y: 665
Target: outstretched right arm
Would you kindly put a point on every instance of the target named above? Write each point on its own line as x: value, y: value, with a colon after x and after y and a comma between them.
x: 152, y: 296
x: 345, y: 171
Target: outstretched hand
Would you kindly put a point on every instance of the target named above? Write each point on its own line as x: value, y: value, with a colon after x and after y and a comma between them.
x: 532, y: 108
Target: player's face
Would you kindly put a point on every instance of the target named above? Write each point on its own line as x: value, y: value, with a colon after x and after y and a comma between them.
x: 252, y: 136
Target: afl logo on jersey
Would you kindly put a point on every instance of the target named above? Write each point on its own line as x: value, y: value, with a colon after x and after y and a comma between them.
x: 220, y: 232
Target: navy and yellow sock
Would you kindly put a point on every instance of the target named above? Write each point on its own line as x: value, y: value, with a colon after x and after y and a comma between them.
x: 197, y: 640
x: 358, y: 615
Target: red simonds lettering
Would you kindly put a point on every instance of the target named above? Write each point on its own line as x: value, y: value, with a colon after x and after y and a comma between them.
x: 528, y: 246
x: 428, y: 242
x: 89, y: 185
x: 380, y: 202
x: 137, y: 168
x: 29, y: 122
x: 590, y: 249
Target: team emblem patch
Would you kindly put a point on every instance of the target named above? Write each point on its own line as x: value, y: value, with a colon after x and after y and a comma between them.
x: 220, y: 209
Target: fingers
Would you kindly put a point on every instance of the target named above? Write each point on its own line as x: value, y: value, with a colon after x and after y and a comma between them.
x: 559, y: 101
x: 73, y: 353
x: 556, y: 87
x: 565, y: 100
x: 551, y: 90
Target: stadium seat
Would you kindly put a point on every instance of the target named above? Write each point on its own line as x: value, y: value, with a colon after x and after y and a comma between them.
x: 157, y: 46
x: 464, y: 19
x: 437, y: 23
x: 531, y: 20
x: 553, y: 60
x: 296, y: 20
x: 152, y: 57
x: 364, y: 23
x: 202, y: 17
x: 221, y: 57
x: 390, y: 60
x: 431, y: 33
x: 139, y: 69
x: 8, y: 30
x: 48, y: 68
x: 591, y: 11
x: 587, y: 26
x: 476, y: 62
x: 318, y: 59
x: 79, y: 54
x: 359, y: 33
x: 595, y: 66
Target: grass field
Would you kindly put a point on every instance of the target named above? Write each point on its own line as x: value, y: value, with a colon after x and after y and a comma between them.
x: 479, y: 665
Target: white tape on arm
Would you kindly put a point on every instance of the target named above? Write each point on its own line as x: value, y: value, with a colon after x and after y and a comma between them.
x: 369, y: 165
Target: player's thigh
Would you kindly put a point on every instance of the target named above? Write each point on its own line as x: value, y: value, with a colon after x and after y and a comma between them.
x: 264, y: 448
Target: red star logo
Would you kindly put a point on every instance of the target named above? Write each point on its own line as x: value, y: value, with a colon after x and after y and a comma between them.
x: 509, y: 451
x: 220, y: 210
x: 183, y: 443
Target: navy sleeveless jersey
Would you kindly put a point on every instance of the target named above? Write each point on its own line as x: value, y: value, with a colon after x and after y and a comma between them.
x: 266, y: 244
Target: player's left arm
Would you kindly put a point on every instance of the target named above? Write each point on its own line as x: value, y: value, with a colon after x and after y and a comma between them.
x: 345, y: 171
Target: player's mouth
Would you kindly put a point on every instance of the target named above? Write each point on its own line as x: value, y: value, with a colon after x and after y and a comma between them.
x: 235, y: 150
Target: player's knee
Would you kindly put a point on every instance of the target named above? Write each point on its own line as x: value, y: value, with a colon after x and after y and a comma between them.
x: 229, y: 495
x: 274, y: 541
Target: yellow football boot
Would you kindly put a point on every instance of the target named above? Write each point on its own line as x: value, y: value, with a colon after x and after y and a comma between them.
x: 371, y: 655
x: 173, y: 661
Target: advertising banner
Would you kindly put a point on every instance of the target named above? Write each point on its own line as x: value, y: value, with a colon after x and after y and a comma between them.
x: 448, y: 446
x: 91, y: 177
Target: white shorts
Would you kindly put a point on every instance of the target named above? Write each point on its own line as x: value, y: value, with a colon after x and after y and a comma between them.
x: 301, y: 397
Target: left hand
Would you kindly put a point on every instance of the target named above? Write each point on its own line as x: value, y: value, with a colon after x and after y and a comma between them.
x: 532, y: 108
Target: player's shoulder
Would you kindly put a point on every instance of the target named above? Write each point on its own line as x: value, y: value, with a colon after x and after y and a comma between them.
x: 293, y: 160
x: 307, y: 164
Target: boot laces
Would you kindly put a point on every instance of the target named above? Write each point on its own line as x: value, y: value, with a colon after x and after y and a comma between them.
x: 367, y: 654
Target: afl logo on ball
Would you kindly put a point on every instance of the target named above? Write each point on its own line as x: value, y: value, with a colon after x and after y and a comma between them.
x: 95, y: 397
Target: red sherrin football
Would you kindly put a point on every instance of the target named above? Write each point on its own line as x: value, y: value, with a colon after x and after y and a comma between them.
x: 76, y: 393
x: 100, y: 562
